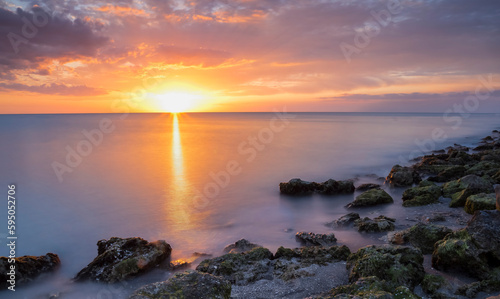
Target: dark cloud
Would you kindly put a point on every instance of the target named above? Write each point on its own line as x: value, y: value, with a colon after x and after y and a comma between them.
x: 54, y: 89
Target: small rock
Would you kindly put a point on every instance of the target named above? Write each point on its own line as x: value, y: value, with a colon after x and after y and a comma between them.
x: 481, y: 201
x: 191, y: 284
x: 240, y: 246
x: 424, y: 194
x: 344, y: 221
x: 298, y: 187
x: 119, y: 259
x: 378, y: 224
x: 333, y: 187
x: 366, y: 187
x: 370, y: 198
x: 27, y: 268
x: 312, y: 239
x: 402, y: 176
x: 422, y: 236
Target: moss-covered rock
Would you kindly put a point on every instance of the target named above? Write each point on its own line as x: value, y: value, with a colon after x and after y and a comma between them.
x: 461, y: 189
x: 369, y: 287
x: 370, y: 198
x: 27, y: 268
x: 398, y: 265
x: 422, y: 236
x: 402, y: 176
x: 314, y: 255
x: 432, y: 283
x: 425, y: 193
x: 378, y: 224
x: 119, y: 259
x: 480, y: 201
x: 330, y: 187
x: 344, y: 221
x: 312, y: 239
x: 490, y: 284
x: 298, y: 187
x: 240, y: 246
x: 484, y: 168
x: 240, y: 268
x: 187, y: 285
x: 449, y: 173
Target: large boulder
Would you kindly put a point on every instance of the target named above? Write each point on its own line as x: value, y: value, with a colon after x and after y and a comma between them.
x: 475, y: 249
x: 402, y: 176
x: 187, y: 285
x: 426, y: 193
x: 370, y: 198
x: 312, y: 239
x: 330, y: 187
x: 298, y: 187
x: 27, y: 268
x: 422, y: 236
x: 240, y: 246
x: 461, y: 189
x: 378, y: 224
x: 398, y: 265
x: 481, y: 201
x: 119, y: 259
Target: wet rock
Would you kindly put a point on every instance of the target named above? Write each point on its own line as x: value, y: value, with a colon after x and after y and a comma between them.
x: 398, y: 265
x: 369, y: 287
x: 475, y: 249
x: 402, y: 176
x: 318, y: 255
x: 190, y: 284
x: 422, y: 236
x: 119, y: 259
x: 240, y: 268
x: 344, y: 221
x: 450, y: 173
x: 488, y: 285
x: 366, y: 187
x: 312, y: 239
x: 481, y: 201
x: 178, y: 264
x: 426, y: 193
x: 482, y: 168
x: 240, y: 246
x: 298, y: 187
x: 27, y: 268
x: 461, y: 189
x: 378, y: 224
x: 436, y: 286
x: 332, y: 187
x: 371, y: 198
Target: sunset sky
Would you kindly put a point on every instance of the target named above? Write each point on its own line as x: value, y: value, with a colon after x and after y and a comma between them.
x: 248, y: 55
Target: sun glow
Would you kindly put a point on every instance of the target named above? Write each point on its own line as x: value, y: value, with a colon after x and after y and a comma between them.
x: 176, y: 101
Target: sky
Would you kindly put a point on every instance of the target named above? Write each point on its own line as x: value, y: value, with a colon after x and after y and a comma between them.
x: 93, y: 56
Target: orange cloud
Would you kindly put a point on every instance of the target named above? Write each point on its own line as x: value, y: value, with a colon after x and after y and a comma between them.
x: 122, y: 10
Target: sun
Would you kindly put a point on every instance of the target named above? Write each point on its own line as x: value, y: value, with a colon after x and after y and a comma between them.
x: 177, y: 101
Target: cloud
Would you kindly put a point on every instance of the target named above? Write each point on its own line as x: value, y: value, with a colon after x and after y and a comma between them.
x: 54, y: 89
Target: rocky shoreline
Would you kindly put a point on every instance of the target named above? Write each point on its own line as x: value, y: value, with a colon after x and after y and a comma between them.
x: 322, y: 268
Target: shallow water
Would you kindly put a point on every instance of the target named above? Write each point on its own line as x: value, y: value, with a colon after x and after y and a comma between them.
x: 162, y: 177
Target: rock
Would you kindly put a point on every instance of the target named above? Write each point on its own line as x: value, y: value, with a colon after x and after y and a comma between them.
x: 119, y: 259
x: 422, y: 236
x: 240, y: 268
x: 497, y: 195
x: 461, y: 189
x: 370, y: 198
x: 190, y: 284
x: 27, y: 268
x: 450, y: 173
x: 240, y: 246
x: 436, y: 286
x: 369, y: 287
x: 298, y: 187
x: 344, y: 221
x: 475, y: 249
x: 366, y: 187
x: 402, y: 176
x: 398, y: 265
x: 489, y: 285
x: 332, y: 187
x: 312, y: 239
x: 178, y: 264
x: 318, y: 255
x: 484, y: 168
x: 378, y: 224
x: 426, y: 193
x: 481, y: 201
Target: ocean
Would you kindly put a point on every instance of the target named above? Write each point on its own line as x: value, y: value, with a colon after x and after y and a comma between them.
x: 199, y: 180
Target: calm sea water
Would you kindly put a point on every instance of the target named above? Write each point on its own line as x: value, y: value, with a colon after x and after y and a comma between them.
x: 198, y: 181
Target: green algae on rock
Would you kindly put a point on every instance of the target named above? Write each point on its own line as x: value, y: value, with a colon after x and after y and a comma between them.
x: 370, y: 198
x: 190, y: 284
x: 422, y: 236
x: 402, y: 176
x: 426, y: 193
x: 481, y: 201
x: 378, y: 224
